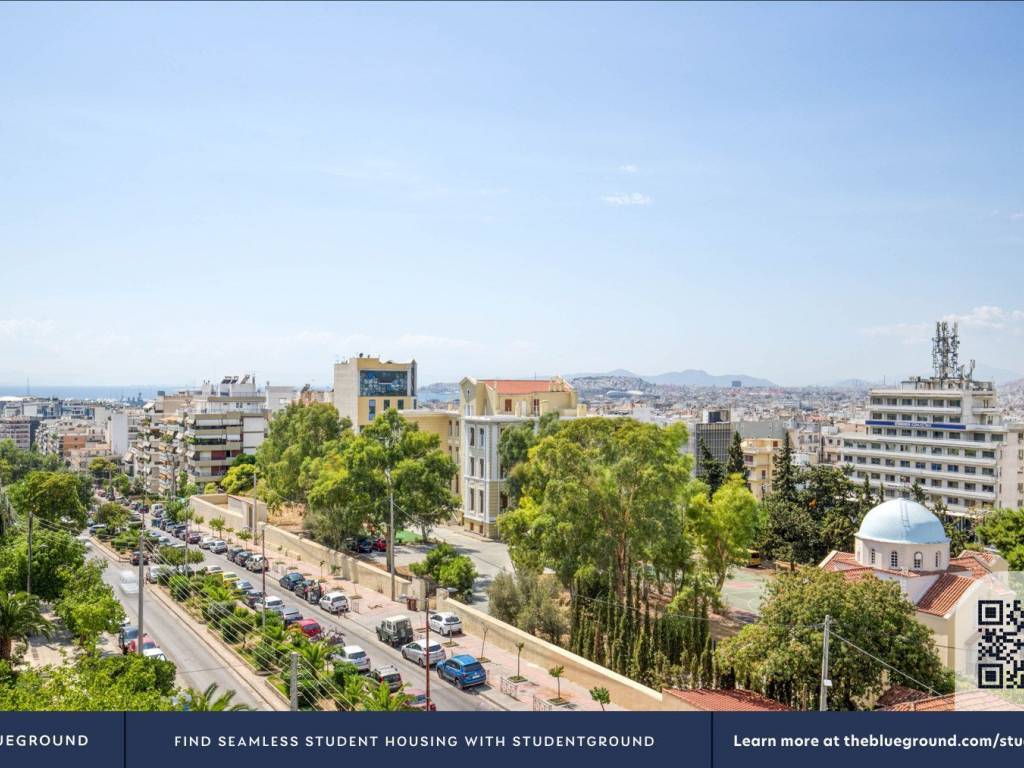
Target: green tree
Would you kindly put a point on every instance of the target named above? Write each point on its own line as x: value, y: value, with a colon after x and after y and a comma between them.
x: 209, y: 489
x: 50, y: 496
x: 530, y: 602
x: 780, y: 655
x: 726, y: 526
x: 601, y: 696
x: 112, y: 515
x: 784, y: 474
x: 736, y: 465
x: 712, y: 471
x: 16, y: 463
x: 557, y: 672
x: 88, y: 606
x: 217, y: 525
x: 122, y: 484
x: 602, y: 494
x: 20, y: 618
x: 239, y: 478
x: 389, y: 457
x: 1004, y: 530
x: 102, y: 468
x: 297, y: 437
x: 56, y: 556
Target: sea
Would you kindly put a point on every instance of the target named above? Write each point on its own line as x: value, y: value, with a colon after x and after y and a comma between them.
x: 88, y: 392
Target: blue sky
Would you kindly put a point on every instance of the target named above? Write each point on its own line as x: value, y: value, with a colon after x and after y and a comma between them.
x: 790, y: 191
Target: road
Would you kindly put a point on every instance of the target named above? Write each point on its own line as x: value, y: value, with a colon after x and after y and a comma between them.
x: 197, y: 665
x: 444, y: 696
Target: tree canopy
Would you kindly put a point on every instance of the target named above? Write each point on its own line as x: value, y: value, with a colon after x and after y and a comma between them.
x: 1004, y: 530
x: 780, y: 655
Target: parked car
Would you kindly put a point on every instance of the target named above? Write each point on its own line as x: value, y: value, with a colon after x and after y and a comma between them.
x: 229, y: 577
x: 194, y: 537
x: 334, y: 602
x: 389, y: 675
x: 445, y: 623
x: 157, y: 508
x: 97, y: 528
x: 154, y: 653
x: 218, y: 547
x: 206, y: 541
x: 300, y: 587
x: 290, y: 615
x: 243, y: 557
x: 416, y: 652
x: 271, y: 603
x: 354, y: 655
x: 243, y: 585
x: 463, y: 671
x: 395, y: 631
x: 309, y: 627
x: 252, y: 598
x: 418, y: 700
x: 232, y: 551
x: 362, y: 545
x: 257, y: 563
x: 380, y: 544
x: 290, y: 579
x: 214, y: 569
x: 147, y: 643
x: 154, y: 572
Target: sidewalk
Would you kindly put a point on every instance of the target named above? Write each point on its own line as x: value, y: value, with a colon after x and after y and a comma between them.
x: 373, y: 607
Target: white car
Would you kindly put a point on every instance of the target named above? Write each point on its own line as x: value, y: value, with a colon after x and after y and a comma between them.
x: 206, y: 541
x: 271, y: 603
x: 214, y: 569
x: 354, y: 655
x: 154, y: 653
x: 129, y: 582
x: 416, y: 653
x: 334, y: 602
x: 445, y: 623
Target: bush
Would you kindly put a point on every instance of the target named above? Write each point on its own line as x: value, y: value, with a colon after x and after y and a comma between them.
x: 447, y: 568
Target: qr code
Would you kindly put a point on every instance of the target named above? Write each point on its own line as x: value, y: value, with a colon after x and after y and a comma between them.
x: 1001, y: 644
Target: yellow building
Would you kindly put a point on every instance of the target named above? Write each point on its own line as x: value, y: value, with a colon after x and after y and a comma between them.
x: 447, y: 425
x: 365, y: 387
x: 759, y: 458
x: 488, y: 407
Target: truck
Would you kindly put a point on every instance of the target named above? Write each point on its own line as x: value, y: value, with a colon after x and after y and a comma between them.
x: 395, y: 631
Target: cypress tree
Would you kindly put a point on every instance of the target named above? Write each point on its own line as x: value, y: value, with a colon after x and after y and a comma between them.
x: 711, y: 469
x: 784, y: 474
x: 735, y: 465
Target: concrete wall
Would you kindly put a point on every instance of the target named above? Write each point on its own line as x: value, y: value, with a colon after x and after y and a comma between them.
x: 624, y: 692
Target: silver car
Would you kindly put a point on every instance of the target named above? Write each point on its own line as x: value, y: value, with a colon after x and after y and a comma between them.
x: 354, y: 655
x: 416, y: 652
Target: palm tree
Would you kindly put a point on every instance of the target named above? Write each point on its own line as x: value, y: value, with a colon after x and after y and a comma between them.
x: 557, y: 672
x: 19, y: 619
x: 209, y: 701
x: 315, y: 654
x: 380, y: 699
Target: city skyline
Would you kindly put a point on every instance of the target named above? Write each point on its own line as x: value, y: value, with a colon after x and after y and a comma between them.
x: 795, y: 193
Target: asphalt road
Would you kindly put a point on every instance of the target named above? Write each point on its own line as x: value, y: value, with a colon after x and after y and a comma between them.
x: 197, y: 665
x: 444, y: 695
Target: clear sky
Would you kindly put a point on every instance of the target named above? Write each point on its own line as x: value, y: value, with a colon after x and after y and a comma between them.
x: 789, y: 191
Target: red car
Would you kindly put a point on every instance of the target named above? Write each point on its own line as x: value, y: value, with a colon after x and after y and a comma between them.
x: 418, y: 700
x: 309, y: 627
x: 147, y: 643
x: 380, y: 544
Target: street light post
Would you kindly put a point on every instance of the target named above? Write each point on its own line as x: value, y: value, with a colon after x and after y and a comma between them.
x: 142, y: 582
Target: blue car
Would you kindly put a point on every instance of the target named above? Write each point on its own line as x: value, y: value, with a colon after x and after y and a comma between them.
x: 463, y: 670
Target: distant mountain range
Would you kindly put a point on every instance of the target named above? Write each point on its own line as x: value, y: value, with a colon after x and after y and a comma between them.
x: 691, y: 377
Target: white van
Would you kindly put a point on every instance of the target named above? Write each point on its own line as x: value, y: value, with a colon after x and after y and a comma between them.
x: 129, y: 582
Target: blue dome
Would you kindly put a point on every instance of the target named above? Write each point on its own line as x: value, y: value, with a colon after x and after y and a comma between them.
x: 902, y: 521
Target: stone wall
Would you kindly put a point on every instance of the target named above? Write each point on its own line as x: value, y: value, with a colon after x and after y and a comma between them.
x: 624, y: 692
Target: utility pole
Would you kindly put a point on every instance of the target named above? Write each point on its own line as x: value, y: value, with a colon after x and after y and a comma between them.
x: 263, y: 570
x: 28, y: 579
x: 295, y: 682
x: 826, y: 683
x: 426, y: 649
x: 391, y: 531
x: 142, y: 581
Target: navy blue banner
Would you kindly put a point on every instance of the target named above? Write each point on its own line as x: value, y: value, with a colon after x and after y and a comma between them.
x: 520, y: 739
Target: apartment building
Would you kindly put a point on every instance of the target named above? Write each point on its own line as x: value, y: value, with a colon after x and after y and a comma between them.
x: 759, y: 460
x: 944, y: 432
x: 18, y: 429
x: 488, y: 407
x: 367, y: 386
x: 223, y: 420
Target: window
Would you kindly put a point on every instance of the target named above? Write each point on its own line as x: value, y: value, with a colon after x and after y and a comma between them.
x: 387, y: 405
x: 401, y: 405
x: 472, y: 436
x: 472, y: 501
x: 872, y: 555
x: 508, y: 405
x: 371, y: 408
x: 938, y: 559
x: 482, y: 508
x: 481, y: 437
x: 894, y: 559
x: 918, y: 561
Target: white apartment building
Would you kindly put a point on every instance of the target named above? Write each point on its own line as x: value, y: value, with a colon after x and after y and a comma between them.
x: 944, y: 432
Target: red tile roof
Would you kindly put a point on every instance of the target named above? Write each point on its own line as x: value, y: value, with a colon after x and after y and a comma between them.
x: 967, y: 701
x: 944, y: 594
x: 710, y: 700
x: 899, y: 694
x: 520, y: 386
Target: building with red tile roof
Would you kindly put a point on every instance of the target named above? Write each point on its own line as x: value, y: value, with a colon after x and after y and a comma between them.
x: 713, y: 700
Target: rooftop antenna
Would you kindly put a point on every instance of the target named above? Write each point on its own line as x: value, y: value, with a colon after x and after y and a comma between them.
x: 945, y: 346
